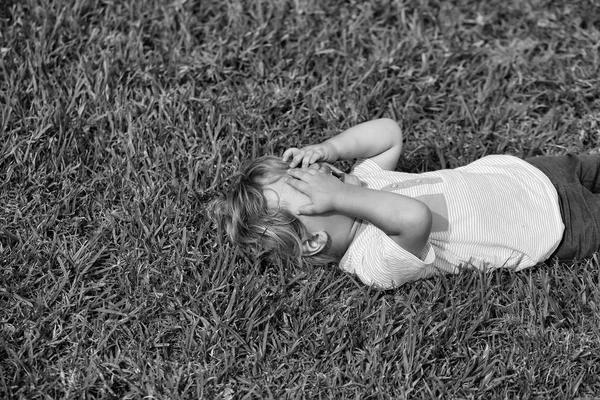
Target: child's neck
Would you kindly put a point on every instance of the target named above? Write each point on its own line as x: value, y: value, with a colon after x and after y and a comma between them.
x: 340, y: 228
x: 342, y: 233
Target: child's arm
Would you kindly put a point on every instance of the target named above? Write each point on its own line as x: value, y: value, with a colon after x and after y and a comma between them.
x: 380, y: 140
x: 405, y: 220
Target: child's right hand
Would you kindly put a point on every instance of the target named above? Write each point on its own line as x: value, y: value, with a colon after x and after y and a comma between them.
x: 320, y: 187
x: 309, y: 155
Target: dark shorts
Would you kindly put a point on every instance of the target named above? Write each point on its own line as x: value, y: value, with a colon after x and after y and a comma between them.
x: 577, y: 181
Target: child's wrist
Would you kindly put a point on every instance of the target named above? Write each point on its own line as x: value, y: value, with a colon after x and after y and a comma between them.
x: 342, y: 196
x: 334, y: 153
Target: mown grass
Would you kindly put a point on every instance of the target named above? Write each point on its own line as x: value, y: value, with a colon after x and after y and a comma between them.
x: 121, y: 120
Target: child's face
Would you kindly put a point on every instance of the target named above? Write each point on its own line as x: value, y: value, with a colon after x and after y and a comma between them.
x: 279, y: 194
x: 336, y: 225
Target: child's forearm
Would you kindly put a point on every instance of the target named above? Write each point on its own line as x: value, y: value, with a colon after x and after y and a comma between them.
x: 367, y: 139
x: 391, y: 212
x: 406, y: 220
x: 379, y: 140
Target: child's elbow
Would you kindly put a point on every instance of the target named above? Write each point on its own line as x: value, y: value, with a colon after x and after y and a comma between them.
x: 394, y: 129
x: 417, y: 228
x: 423, y: 219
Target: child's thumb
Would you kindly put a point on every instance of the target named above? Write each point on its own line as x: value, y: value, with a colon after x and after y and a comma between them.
x: 306, y: 210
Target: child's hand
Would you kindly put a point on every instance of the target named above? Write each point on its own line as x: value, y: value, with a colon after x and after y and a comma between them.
x: 309, y: 155
x: 338, y: 173
x: 320, y: 187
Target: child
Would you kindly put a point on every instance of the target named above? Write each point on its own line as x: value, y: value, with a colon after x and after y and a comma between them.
x: 391, y: 227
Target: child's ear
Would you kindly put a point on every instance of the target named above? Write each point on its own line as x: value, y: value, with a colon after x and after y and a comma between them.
x: 314, y: 243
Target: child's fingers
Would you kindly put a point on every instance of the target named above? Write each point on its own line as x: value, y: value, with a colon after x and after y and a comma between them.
x: 302, y: 174
x: 320, y: 167
x: 291, y: 152
x: 303, y: 157
x: 298, y: 158
x: 301, y: 178
x: 307, y: 210
x: 295, y: 173
x: 324, y: 168
x: 297, y: 184
x: 306, y: 159
x: 315, y: 157
x: 302, y: 211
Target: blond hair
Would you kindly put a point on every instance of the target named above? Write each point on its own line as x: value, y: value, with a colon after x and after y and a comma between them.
x: 245, y: 216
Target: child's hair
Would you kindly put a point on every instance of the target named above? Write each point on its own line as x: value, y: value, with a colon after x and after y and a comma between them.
x: 249, y: 221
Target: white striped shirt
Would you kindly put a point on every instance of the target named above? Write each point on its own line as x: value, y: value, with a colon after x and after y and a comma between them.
x: 499, y: 211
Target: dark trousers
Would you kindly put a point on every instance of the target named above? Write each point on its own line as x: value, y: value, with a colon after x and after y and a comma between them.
x: 577, y: 181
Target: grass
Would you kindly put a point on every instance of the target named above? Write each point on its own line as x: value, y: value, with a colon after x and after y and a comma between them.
x: 121, y: 120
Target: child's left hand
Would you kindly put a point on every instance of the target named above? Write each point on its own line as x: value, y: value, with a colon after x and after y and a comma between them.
x: 338, y: 173
x: 309, y: 155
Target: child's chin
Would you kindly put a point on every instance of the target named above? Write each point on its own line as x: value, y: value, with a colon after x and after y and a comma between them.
x: 352, y: 180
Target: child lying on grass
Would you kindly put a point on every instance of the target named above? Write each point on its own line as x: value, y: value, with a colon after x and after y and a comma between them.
x: 391, y: 227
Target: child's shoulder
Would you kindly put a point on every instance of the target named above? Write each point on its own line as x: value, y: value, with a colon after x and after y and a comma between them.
x: 365, y: 166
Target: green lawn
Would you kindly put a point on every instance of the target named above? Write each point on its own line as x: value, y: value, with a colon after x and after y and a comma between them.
x: 121, y: 120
